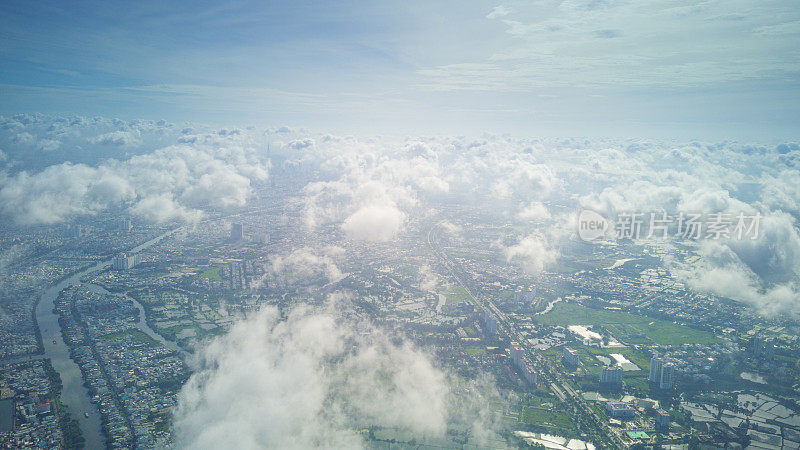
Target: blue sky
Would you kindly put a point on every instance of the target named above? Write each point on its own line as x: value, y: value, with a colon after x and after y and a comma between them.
x: 705, y: 69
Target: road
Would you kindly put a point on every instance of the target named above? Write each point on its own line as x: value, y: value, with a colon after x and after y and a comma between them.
x: 583, y: 412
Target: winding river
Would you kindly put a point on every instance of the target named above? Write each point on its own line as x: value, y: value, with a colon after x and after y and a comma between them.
x: 74, y: 395
x: 142, y: 324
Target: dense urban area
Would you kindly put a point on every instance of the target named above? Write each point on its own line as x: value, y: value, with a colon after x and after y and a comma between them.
x: 604, y: 347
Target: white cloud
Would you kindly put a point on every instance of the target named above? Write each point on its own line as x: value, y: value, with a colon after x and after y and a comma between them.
x: 306, y: 263
x: 532, y: 253
x: 170, y: 183
x: 163, y: 208
x: 49, y: 145
x: 566, y: 44
x: 374, y: 222
x: 309, y: 381
x: 301, y: 144
x: 117, y: 139
x: 429, y: 281
x: 534, y: 211
x: 498, y: 11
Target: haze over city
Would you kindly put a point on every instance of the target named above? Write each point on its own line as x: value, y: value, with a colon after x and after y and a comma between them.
x: 555, y: 224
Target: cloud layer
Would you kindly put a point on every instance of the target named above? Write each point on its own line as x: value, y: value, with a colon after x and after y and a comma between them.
x: 375, y: 189
x: 176, y: 182
x: 311, y: 380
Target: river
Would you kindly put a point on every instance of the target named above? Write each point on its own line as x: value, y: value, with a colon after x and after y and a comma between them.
x: 74, y: 395
x: 142, y: 324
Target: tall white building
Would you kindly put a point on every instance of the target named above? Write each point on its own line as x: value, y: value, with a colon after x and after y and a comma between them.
x: 611, y: 375
x: 517, y: 353
x: 124, y: 261
x: 237, y: 232
x: 655, y: 370
x: 570, y: 357
x: 661, y: 373
x: 667, y: 376
x: 530, y: 375
x: 489, y: 322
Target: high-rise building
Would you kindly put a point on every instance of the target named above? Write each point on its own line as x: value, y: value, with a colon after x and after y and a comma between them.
x: 762, y: 347
x: 611, y: 375
x: 662, y: 421
x: 655, y: 370
x: 570, y: 357
x: 530, y: 375
x: 237, y: 232
x: 124, y: 261
x: 489, y: 322
x: 260, y: 238
x: 661, y: 373
x: 517, y: 354
x: 620, y: 410
x: 667, y: 376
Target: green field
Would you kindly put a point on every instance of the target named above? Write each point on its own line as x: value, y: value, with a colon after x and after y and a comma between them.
x: 622, y: 324
x: 456, y: 294
x: 212, y: 273
x: 475, y: 351
x: 137, y: 336
x: 541, y: 417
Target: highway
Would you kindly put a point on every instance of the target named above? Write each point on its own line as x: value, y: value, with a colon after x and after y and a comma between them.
x: 583, y: 413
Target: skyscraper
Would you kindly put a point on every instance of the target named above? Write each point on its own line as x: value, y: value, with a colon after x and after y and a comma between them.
x: 667, y: 376
x: 611, y: 375
x: 570, y: 357
x: 489, y: 322
x: 662, y: 421
x: 237, y: 232
x: 655, y: 370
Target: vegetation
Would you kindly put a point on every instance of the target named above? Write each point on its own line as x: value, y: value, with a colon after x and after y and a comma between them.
x: 623, y: 324
x: 212, y: 273
x: 137, y: 336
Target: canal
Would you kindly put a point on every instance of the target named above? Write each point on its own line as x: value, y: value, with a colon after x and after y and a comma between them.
x: 74, y: 395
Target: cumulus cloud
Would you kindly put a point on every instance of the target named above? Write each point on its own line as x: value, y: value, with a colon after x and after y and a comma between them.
x: 429, y: 281
x: 532, y: 253
x: 171, y: 183
x: 524, y: 179
x: 301, y: 144
x: 534, y: 211
x: 763, y: 272
x: 54, y: 195
x: 49, y: 145
x: 369, y: 189
x: 309, y: 381
x: 163, y: 208
x: 307, y: 263
x: 116, y: 139
x: 375, y: 222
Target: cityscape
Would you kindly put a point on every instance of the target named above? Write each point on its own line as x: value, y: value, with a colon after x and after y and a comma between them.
x: 109, y: 318
x: 566, y: 225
